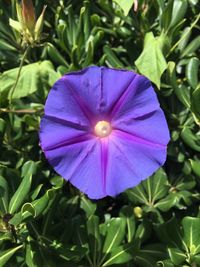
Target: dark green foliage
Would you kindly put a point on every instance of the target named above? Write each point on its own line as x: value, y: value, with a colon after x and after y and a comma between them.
x: 44, y: 221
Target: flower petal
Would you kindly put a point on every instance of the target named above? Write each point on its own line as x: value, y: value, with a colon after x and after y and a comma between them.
x: 139, y: 99
x: 99, y: 88
x: 80, y: 163
x: 151, y: 127
x: 63, y: 104
x: 55, y: 132
x: 130, y: 161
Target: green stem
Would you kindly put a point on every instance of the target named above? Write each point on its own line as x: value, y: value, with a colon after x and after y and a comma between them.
x: 18, y: 75
x: 20, y: 111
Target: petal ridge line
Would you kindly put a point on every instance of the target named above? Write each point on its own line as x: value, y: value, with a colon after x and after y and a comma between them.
x: 104, y: 161
x: 136, y: 139
x: 86, y: 111
x: 67, y: 123
x: 119, y: 102
x: 71, y: 141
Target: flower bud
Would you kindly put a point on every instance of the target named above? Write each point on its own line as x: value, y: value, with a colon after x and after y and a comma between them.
x: 138, y: 212
x: 39, y: 24
x: 28, y: 14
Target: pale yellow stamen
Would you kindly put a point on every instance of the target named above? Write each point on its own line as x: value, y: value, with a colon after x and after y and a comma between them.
x: 102, y: 129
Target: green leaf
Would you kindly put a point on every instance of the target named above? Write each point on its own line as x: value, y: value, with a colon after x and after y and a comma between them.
x: 166, y: 203
x: 127, y: 213
x: 150, y: 190
x: 166, y: 16
x: 28, y: 208
x: 195, y: 107
x: 88, y: 206
x: 33, y: 258
x: 181, y: 91
x: 190, y: 139
x: 119, y: 255
x: 151, y: 63
x: 6, y: 46
x: 195, y: 164
x: 30, y: 80
x: 177, y: 256
x: 165, y: 263
x: 20, y: 194
x: 191, y: 47
x: 3, y: 195
x: 149, y: 255
x: 192, y: 69
x: 55, y: 55
x: 178, y: 13
x: 115, y: 234
x: 112, y: 59
x: 125, y: 5
x: 7, y: 254
x: 15, y: 25
x: 191, y: 234
x: 29, y: 168
x: 169, y: 233
x: 94, y: 238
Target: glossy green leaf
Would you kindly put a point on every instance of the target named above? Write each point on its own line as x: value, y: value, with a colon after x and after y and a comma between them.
x: 191, y: 47
x: 112, y: 58
x: 178, y: 12
x: 94, y: 237
x: 127, y: 213
x: 150, y: 190
x: 192, y: 70
x: 190, y: 139
x: 88, y: 206
x: 119, y: 255
x: 195, y: 107
x: 191, y: 233
x: 169, y: 233
x: 181, y: 91
x: 7, y: 254
x: 29, y: 168
x: 115, y: 234
x: 4, y: 195
x: 21, y: 194
x: 125, y: 5
x: 55, y: 55
x: 195, y: 164
x: 177, y: 256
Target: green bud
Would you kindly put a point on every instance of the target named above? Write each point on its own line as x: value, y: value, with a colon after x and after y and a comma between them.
x: 39, y: 24
x: 28, y: 14
x: 138, y: 212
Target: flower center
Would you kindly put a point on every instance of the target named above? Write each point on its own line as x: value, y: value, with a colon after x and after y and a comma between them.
x: 102, y: 129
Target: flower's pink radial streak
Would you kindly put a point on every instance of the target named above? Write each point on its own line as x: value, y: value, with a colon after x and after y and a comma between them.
x: 121, y: 103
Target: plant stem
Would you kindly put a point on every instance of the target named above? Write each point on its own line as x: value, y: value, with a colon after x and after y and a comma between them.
x: 18, y: 75
x: 20, y: 111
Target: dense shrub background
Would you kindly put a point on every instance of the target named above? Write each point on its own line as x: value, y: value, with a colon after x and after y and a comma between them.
x: 44, y: 221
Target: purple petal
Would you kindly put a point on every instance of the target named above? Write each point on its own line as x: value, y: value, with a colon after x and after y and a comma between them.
x: 139, y: 99
x: 151, y: 127
x: 80, y: 163
x: 63, y: 104
x: 56, y: 132
x: 99, y: 88
x: 130, y: 160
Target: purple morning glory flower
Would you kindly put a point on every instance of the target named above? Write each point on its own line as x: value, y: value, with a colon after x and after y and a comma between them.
x: 103, y: 130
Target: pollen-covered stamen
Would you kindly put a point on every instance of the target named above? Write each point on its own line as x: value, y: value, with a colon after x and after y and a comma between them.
x: 102, y: 129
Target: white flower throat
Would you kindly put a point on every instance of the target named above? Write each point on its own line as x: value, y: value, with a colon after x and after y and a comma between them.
x: 102, y: 129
